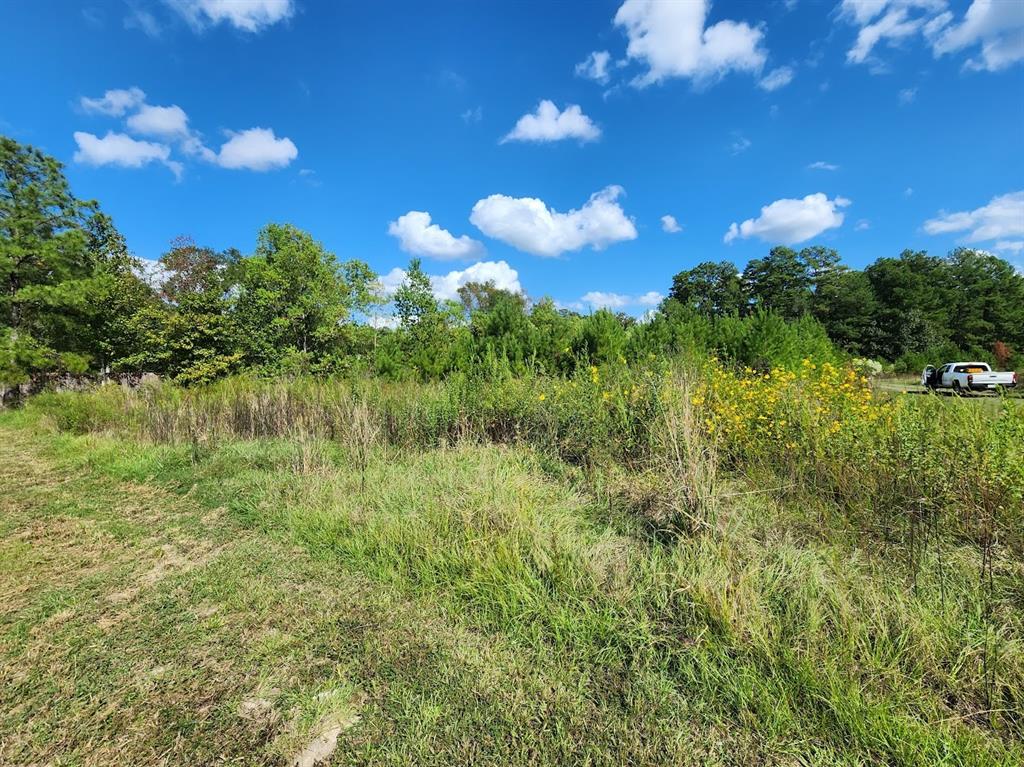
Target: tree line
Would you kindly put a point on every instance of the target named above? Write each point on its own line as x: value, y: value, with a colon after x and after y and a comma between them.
x: 910, y: 309
x: 75, y: 301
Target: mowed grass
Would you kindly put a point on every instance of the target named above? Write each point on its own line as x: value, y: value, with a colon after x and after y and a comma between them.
x: 238, y: 603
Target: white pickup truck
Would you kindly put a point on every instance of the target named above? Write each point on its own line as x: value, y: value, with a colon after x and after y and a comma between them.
x: 963, y: 377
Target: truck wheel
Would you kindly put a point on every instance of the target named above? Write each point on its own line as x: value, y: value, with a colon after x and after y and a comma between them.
x: 957, y: 391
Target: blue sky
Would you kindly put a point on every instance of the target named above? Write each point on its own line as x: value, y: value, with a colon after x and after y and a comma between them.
x: 536, y: 143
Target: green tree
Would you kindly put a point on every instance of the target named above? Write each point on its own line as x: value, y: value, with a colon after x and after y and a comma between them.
x: 293, y: 301
x: 424, y: 323
x: 784, y: 281
x: 193, y: 336
x: 915, y: 300
x: 482, y: 296
x: 502, y: 331
x: 844, y: 303
x: 711, y: 289
x: 67, y: 282
x: 987, y: 301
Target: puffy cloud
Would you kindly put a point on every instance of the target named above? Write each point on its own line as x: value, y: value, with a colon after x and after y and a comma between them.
x: 163, y: 122
x: 1010, y: 246
x: 777, y: 78
x: 671, y: 39
x: 670, y: 225
x: 256, y: 149
x: 446, y: 286
x: 247, y: 15
x: 600, y: 300
x: 1002, y: 218
x: 418, y: 236
x: 548, y: 124
x: 390, y: 282
x: 862, y: 225
x: 597, y: 299
x: 595, y: 67
x: 997, y: 25
x: 791, y: 221
x: 122, y: 150
x: 907, y: 96
x: 114, y: 102
x: 530, y: 225
x: 821, y: 165
x: 500, y: 273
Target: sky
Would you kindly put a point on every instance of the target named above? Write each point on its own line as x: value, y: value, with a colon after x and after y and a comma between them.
x: 585, y: 151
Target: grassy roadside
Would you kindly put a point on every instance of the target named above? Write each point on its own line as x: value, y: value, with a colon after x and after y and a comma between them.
x: 144, y: 625
x: 195, y: 605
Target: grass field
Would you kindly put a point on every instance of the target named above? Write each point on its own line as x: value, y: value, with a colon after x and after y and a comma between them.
x: 285, y: 599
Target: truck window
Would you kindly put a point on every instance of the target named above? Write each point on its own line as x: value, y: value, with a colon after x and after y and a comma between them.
x: 977, y: 368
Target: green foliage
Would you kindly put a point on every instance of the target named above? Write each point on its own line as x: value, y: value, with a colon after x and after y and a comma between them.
x: 711, y: 289
x: 292, y: 298
x: 72, y: 301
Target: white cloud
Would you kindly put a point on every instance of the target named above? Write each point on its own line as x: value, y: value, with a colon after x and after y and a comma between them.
x: 152, y: 273
x: 862, y: 225
x: 671, y: 39
x: 548, y: 124
x: 1010, y: 246
x: 247, y: 15
x: 740, y: 143
x: 597, y: 299
x: 114, y: 102
x: 822, y: 165
x: 418, y: 236
x: 670, y: 225
x: 894, y: 25
x: 907, y: 96
x: 600, y: 300
x: 1002, y: 218
x: 256, y: 149
x: 390, y: 282
x: 500, y: 273
x: 530, y: 225
x: 777, y: 78
x: 862, y: 11
x: 446, y: 286
x: 379, y: 321
x: 595, y: 67
x: 997, y: 25
x: 164, y: 122
x: 474, y: 115
x: 139, y: 18
x: 791, y: 221
x: 122, y: 150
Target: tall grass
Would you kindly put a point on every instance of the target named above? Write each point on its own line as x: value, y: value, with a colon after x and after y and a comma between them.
x: 834, y: 570
x: 817, y: 436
